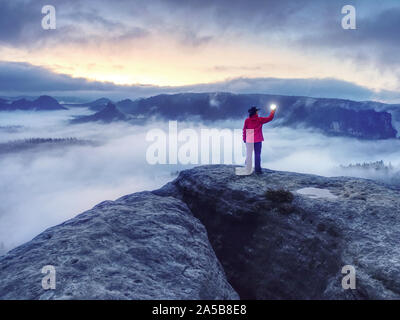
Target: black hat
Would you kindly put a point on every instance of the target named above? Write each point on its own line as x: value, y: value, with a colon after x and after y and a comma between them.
x: 253, y: 110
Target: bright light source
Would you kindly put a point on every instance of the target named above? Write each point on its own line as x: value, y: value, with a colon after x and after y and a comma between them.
x: 273, y: 106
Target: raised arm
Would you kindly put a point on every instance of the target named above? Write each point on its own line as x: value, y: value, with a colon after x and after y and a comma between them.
x: 267, y: 119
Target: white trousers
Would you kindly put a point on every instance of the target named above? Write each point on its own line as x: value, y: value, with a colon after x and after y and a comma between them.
x: 248, y: 168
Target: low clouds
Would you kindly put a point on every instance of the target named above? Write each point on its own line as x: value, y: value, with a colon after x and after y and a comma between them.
x: 46, y: 187
x: 22, y: 78
x: 328, y: 88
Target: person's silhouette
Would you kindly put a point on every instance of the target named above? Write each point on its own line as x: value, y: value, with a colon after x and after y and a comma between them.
x: 253, y: 137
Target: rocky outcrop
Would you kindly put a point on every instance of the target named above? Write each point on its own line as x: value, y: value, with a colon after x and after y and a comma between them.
x: 280, y: 235
x: 292, y: 245
x: 141, y: 246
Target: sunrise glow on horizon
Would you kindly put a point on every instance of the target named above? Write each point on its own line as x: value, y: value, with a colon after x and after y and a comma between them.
x: 168, y: 44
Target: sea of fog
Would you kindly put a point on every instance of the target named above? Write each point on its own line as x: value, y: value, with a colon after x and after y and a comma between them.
x: 43, y: 187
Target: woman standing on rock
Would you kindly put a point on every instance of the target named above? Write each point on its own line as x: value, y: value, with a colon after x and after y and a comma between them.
x: 253, y: 137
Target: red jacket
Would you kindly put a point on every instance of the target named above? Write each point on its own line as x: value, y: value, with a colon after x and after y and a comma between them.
x: 252, y: 129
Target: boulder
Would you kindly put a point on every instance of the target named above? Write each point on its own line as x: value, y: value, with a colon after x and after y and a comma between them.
x: 277, y: 243
x: 141, y: 246
x: 210, y: 234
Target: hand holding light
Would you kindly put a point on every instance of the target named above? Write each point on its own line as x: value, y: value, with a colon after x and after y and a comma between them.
x: 273, y: 107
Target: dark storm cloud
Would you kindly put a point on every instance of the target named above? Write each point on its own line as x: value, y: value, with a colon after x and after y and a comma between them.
x: 302, y: 24
x: 244, y: 13
x: 318, y: 88
x: 18, y: 21
x: 375, y: 41
x: 381, y: 28
x: 23, y: 78
x: 21, y: 19
x: 305, y: 25
x: 328, y: 88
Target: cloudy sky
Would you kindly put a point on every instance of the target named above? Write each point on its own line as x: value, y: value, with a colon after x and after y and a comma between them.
x: 130, y: 48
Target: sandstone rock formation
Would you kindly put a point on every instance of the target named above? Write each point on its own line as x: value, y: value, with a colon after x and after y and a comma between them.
x: 281, y: 235
x: 274, y: 246
x: 141, y: 246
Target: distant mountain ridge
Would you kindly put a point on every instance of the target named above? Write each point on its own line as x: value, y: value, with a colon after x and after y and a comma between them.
x: 18, y: 146
x: 366, y: 120
x: 337, y: 117
x: 96, y: 105
x: 41, y: 103
x: 108, y: 114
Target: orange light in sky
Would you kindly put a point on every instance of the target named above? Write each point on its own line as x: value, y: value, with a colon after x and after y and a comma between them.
x: 161, y: 60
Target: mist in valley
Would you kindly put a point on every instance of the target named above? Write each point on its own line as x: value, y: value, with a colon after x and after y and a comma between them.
x: 42, y: 186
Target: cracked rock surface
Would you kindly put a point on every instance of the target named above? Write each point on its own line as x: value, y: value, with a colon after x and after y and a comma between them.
x: 141, y: 246
x: 210, y: 234
x: 274, y: 245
